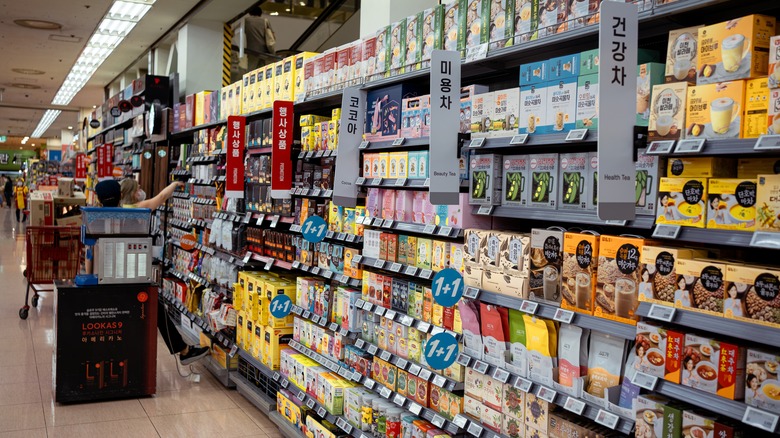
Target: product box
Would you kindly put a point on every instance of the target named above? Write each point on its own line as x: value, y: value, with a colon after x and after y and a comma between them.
x: 516, y: 173
x: 659, y: 272
x: 475, y: 240
x: 526, y: 18
x: 383, y: 111
x: 453, y: 19
x: 482, y: 114
x: 734, y: 49
x: 561, y: 105
x: 545, y: 265
x: 761, y: 382
x: 681, y: 202
x: 715, y: 111
x: 563, y: 67
x: 753, y: 294
x: 485, y: 179
x: 268, y: 87
x: 667, y: 112
x: 731, y: 204
x: 682, y: 55
x: 477, y: 23
x: 750, y: 168
x: 397, y: 46
x: 657, y: 416
x: 618, y: 276
x: 580, y: 265
x: 774, y: 62
x: 533, y: 73
x: 648, y: 172
x: 587, y: 101
x: 701, y: 167
x: 537, y: 413
x: 648, y: 75
x: 573, y: 180
x: 432, y: 21
x: 593, y: 179
x: 701, y: 285
x: 506, y: 111
x: 411, y: 121
x: 501, y: 23
x: 541, y: 188
x: 589, y: 62
x: 755, y: 122
x: 467, y: 94
x: 659, y: 351
x: 768, y: 203
x: 533, y: 108
x: 702, y: 366
x: 553, y: 17
x: 514, y: 261
x: 414, y: 41
x: 300, y: 89
x: 383, y: 53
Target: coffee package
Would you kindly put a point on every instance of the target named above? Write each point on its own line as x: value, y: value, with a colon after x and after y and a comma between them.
x: 580, y: 263
x: 701, y: 367
x: 667, y: 112
x: 618, y: 277
x: 658, y: 272
x: 545, y: 265
x: 682, y: 55
x: 734, y: 49
x: 605, y: 363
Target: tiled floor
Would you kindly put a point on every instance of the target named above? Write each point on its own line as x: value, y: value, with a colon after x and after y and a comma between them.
x: 181, y: 408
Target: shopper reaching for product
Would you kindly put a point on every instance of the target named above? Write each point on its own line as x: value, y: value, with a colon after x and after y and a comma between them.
x: 111, y: 194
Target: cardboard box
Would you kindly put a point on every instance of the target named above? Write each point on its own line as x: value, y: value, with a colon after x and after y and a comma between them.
x: 659, y: 272
x: 704, y: 370
x: 648, y: 172
x: 41, y: 206
x: 580, y: 265
x: 300, y: 87
x: 526, y: 19
x: 587, y: 102
x: 467, y: 94
x: 432, y: 22
x: 752, y: 295
x: 533, y: 108
x: 659, y: 351
x: 731, y: 204
x: 681, y: 201
x: 506, y: 112
x: 474, y: 241
x: 715, y: 111
x: 648, y: 75
x: 533, y: 73
x: 701, y: 285
x: 573, y: 181
x: 541, y: 188
x: 773, y: 74
x: 545, y: 265
x: 701, y: 167
x: 561, y: 105
x: 768, y: 203
x: 667, y: 112
x: 755, y: 122
x: 563, y: 67
x: 734, y: 49
x: 482, y: 108
x: 453, y: 21
x: 682, y: 55
x: 616, y: 295
x: 657, y: 416
x: 515, y: 175
x: 485, y: 180
x: 761, y: 380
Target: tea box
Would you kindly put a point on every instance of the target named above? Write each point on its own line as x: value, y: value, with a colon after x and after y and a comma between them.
x: 383, y: 111
x: 482, y: 114
x: 506, y: 111
x: 587, y: 102
x: 561, y: 105
x: 659, y: 272
x: 453, y: 19
x: 593, y: 177
x: 514, y: 260
x: 703, y: 368
x: 432, y: 20
x: 414, y: 41
x: 667, y: 112
x: 648, y: 171
x: 731, y: 204
x: 533, y: 108
x: 476, y: 26
x: 701, y: 167
x: 474, y: 241
x: 563, y: 67
x: 755, y: 122
x: 648, y: 75
x: 752, y: 294
x: 616, y: 295
x: 681, y: 202
x: 761, y: 384
x: 573, y: 181
x: 526, y: 20
x: 540, y: 184
x: 485, y: 179
x: 682, y: 55
x: 768, y: 203
x: 659, y: 351
x: 515, y: 174
x: 580, y: 266
x: 501, y: 23
x: 715, y: 111
x: 536, y: 413
x: 411, y: 118
x: 397, y: 46
x: 545, y: 265
x: 734, y: 49
x: 701, y: 285
x: 657, y: 416
x: 589, y: 62
x: 750, y: 168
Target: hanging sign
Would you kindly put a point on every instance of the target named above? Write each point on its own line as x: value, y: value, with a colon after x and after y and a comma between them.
x: 81, y: 166
x: 617, y: 94
x: 100, y: 168
x: 443, y: 165
x: 353, y: 109
x: 108, y: 160
x: 234, y: 162
x: 281, y: 161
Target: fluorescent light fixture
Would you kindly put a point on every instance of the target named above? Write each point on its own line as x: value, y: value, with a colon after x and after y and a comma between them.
x: 70, y: 127
x: 24, y: 140
x: 111, y: 31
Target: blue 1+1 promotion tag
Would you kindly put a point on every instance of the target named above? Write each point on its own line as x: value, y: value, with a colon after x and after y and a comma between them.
x: 441, y: 351
x: 447, y: 287
x: 281, y: 306
x: 314, y: 229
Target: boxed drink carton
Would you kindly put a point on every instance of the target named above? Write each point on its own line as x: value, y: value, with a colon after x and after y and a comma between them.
x: 701, y: 285
x: 515, y: 175
x: 453, y: 19
x: 432, y: 21
x: 682, y: 54
x: 715, y: 110
x: 485, y: 179
x: 397, y: 46
x: 587, y: 101
x: 545, y: 265
x: 563, y: 67
x: 681, y: 202
x: 533, y: 108
x: 648, y: 75
x: 734, y: 49
x: 501, y: 23
x: 761, y: 382
x: 731, y: 204
x: 414, y: 41
x: 648, y: 171
x: 526, y: 20
x: 753, y: 294
x: 755, y: 123
x: 701, y: 167
x: 580, y: 263
x: 476, y: 24
x: 659, y: 351
x: 506, y: 111
x: 561, y: 105
x: 541, y: 185
x: 616, y: 295
x: 703, y: 368
x: 482, y: 114
x: 768, y: 203
x: 667, y: 112
x: 533, y: 73
x: 659, y: 272
x: 573, y: 181
x: 657, y: 416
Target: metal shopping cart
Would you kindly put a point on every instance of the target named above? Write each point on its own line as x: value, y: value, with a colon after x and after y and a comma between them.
x: 53, y: 253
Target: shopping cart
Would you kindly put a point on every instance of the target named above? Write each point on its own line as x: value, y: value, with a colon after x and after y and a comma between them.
x: 53, y: 253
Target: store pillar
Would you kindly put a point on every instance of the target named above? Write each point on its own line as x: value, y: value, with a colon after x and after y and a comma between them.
x: 199, y: 49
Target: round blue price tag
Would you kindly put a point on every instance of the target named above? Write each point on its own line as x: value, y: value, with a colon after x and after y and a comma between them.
x: 441, y: 351
x: 314, y: 229
x: 281, y: 306
x: 447, y: 287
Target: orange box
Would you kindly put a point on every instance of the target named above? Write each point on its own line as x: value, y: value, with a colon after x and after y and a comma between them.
x: 659, y: 351
x: 756, y: 120
x: 734, y: 49
x: 715, y: 111
x: 616, y: 295
x: 580, y: 266
x: 713, y: 366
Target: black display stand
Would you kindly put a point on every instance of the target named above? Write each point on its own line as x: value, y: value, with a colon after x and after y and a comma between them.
x: 105, y: 341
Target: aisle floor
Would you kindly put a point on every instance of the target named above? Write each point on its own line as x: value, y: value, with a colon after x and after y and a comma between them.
x: 181, y: 408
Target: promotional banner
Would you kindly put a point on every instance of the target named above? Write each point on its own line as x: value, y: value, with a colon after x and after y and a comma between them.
x: 353, y: 104
x: 81, y: 166
x: 445, y: 123
x: 281, y: 163
x: 234, y: 184
x: 617, y: 97
x: 108, y: 160
x: 100, y: 167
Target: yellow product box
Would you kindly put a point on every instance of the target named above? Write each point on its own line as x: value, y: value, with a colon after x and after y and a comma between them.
x: 681, y: 201
x: 700, y: 167
x: 259, y: 88
x: 245, y: 102
x: 383, y: 164
x: 397, y: 165
x: 239, y: 291
x: 752, y: 167
x: 335, y: 215
x: 223, y: 358
x: 701, y: 285
x: 756, y: 108
x: 441, y: 255
x: 240, y: 327
x: 349, y: 270
x: 204, y: 340
x: 715, y: 111
x: 734, y: 49
x: 287, y: 91
x: 753, y: 294
x: 278, y: 80
x: 731, y: 204
x: 311, y: 120
x: 200, y: 108
x: 456, y: 257
x: 360, y: 213
x: 257, y: 341
x: 333, y: 137
x: 580, y: 267
x: 316, y: 131
x: 374, y: 160
x: 658, y: 276
x: 249, y: 333
x: 300, y: 88
x: 768, y: 203
x: 238, y: 100
x: 273, y: 339
x: 268, y: 86
x: 289, y: 410
x: 307, y: 138
x: 616, y: 295
x: 272, y: 289
x: 424, y: 252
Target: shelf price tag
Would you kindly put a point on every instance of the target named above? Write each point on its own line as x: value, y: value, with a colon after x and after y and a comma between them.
x: 414, y: 369
x: 576, y: 135
x: 415, y: 408
x: 666, y: 231
x: 395, y: 267
x: 564, y: 316
x: 376, y: 182
x: 388, y: 223
x: 518, y: 139
x: 399, y: 400
x: 767, y: 143
x: 574, y: 405
x: 401, y: 363
x: 464, y: 359
x: 385, y: 392
x: 523, y: 384
x: 475, y: 53
x: 322, y: 412
x: 342, y: 423
x: 661, y: 312
x: 360, y: 181
x: 379, y: 263
x: 762, y: 239
x: 356, y: 376
x: 301, y: 396
x: 426, y: 274
x: 364, y: 144
x: 372, y: 349
x: 310, y: 403
x: 357, y: 259
x: 385, y: 356
x: 423, y: 326
x: 485, y: 210
x: 400, y: 182
x: 369, y: 383
x: 275, y: 377
x: 690, y: 146
x: 360, y: 343
x: 529, y: 307
x: 438, y: 420
x: 615, y: 222
x: 646, y: 381
x: 477, y: 143
x: 607, y: 419
x: 427, y: 182
x: 444, y: 231
x: 546, y: 394
x: 760, y: 419
x: 460, y: 421
x: 439, y: 381
x: 406, y: 320
x: 399, y: 141
x: 501, y: 375
x: 380, y: 310
x: 390, y: 314
x: 480, y: 367
x: 471, y: 293
x: 351, y: 238
x: 425, y: 374
x: 410, y: 270
x: 475, y: 429
x: 285, y: 383
x: 660, y: 147
x: 343, y: 332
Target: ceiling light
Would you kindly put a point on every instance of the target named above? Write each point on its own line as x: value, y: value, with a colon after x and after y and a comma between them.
x: 32, y: 144
x: 28, y: 71
x: 48, y: 118
x: 70, y: 127
x: 303, y: 3
x: 94, y: 106
x: 24, y: 86
x: 38, y: 24
x: 24, y: 140
x: 287, y: 10
x: 274, y: 13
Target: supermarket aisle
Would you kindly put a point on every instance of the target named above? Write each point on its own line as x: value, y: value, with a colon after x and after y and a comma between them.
x: 181, y: 408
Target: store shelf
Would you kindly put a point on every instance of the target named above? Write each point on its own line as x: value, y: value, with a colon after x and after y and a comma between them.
x: 203, y: 159
x: 706, y: 237
x: 203, y: 182
x: 327, y: 274
x: 566, y: 216
x: 221, y: 374
x: 259, y: 399
x: 259, y: 151
x: 331, y: 235
x: 733, y: 146
x: 397, y: 144
x: 396, y: 268
x: 253, y: 217
x: 395, y: 183
x: 309, y: 155
x: 284, y: 426
x: 733, y: 328
x: 112, y: 127
x: 626, y: 331
x: 535, y: 140
x: 408, y: 227
x: 311, y: 193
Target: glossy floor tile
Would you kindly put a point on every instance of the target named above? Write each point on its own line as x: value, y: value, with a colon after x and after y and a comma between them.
x: 181, y: 408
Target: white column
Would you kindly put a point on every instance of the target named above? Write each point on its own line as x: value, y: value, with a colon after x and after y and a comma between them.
x: 378, y: 13
x: 199, y: 45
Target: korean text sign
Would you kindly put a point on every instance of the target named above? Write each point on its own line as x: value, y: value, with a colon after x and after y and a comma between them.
x: 234, y: 183
x: 281, y: 163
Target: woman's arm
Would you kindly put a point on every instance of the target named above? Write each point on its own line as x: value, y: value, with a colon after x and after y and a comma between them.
x: 161, y: 197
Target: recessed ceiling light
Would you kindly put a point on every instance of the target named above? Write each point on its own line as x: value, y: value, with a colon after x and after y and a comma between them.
x: 28, y: 71
x: 65, y: 38
x: 24, y: 86
x: 38, y: 24
x: 70, y: 127
x: 94, y: 106
x: 33, y: 144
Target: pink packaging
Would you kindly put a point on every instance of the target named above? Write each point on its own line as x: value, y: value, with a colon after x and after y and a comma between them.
x: 324, y: 137
x: 429, y: 211
x: 425, y: 115
x: 459, y: 216
x: 374, y: 203
x: 388, y: 203
x: 417, y: 207
x: 329, y: 68
x: 411, y: 118
x: 404, y: 200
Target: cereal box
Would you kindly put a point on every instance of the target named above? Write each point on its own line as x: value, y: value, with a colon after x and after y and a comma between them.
x: 658, y: 351
x: 515, y: 176
x: 768, y: 203
x: 701, y: 285
x: 731, y: 204
x: 485, y: 179
x: 681, y: 202
x: 715, y: 110
x: 533, y: 109
x: 734, y: 49
x: 658, y: 274
x: 752, y: 295
x: 578, y: 277
x: 682, y: 55
x: 545, y: 265
x: 618, y: 276
x: 756, y: 108
x: 761, y: 383
x: 703, y: 369
x: 573, y: 181
x: 541, y: 187
x: 667, y: 112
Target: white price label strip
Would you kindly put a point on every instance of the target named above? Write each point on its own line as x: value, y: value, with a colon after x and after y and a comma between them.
x: 645, y: 381
x: 661, y: 312
x: 564, y: 316
x: 574, y: 405
x: 607, y: 419
x: 760, y: 419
